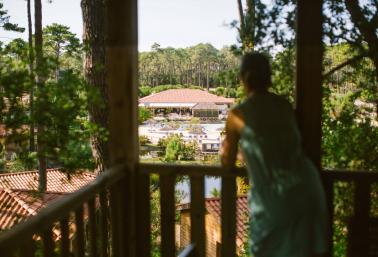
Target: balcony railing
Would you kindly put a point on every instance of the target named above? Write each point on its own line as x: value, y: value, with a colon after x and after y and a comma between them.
x: 91, y: 221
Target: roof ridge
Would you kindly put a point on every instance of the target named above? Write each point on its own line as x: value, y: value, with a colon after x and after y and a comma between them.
x: 36, y: 191
x: 26, y: 172
x: 48, y: 170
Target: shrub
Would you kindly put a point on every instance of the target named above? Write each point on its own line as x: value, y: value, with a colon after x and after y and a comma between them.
x: 144, y: 115
x: 176, y: 149
x: 144, y: 140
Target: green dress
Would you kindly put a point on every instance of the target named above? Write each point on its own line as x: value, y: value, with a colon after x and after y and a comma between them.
x: 287, y: 200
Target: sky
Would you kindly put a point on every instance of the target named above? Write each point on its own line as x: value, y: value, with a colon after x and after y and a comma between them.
x: 176, y: 23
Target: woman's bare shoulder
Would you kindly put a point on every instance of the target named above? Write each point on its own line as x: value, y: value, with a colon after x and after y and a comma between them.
x: 235, y: 120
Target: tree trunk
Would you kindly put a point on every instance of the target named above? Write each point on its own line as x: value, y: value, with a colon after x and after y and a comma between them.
x: 31, y: 70
x: 368, y: 31
x: 241, y: 19
x: 247, y: 25
x: 94, y: 72
x: 40, y: 86
x: 207, y: 77
x: 57, y: 57
x: 366, y: 28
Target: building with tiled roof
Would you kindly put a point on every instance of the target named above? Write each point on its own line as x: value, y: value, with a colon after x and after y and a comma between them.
x: 213, y: 225
x: 185, y: 101
x: 57, y: 181
x: 19, y: 198
x: 18, y: 205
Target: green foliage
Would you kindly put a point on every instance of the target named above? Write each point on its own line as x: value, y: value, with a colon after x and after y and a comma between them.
x: 230, y: 93
x: 5, y: 23
x: 144, y: 140
x: 62, y: 48
x: 283, y: 67
x: 144, y: 91
x: 177, y: 150
x: 344, y: 120
x: 215, y: 192
x: 21, y: 162
x: 144, y: 115
x: 219, y: 91
x: 60, y: 105
x: 202, y: 66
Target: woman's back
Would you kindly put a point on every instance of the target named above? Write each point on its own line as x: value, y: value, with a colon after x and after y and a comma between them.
x: 285, y: 186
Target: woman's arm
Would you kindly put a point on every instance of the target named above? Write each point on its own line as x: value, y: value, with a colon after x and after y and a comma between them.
x: 234, y: 126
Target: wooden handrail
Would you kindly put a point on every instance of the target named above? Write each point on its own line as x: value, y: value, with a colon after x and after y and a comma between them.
x: 343, y: 175
x: 58, y: 209
x: 192, y: 170
x: 218, y: 171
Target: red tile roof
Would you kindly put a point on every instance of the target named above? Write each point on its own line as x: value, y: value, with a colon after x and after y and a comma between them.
x: 206, y: 106
x: 19, y: 198
x: 185, y: 96
x: 213, y: 206
x: 57, y: 181
x: 17, y: 205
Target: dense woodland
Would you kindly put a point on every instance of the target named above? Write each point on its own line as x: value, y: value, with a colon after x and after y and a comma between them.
x: 53, y: 96
x: 202, y: 65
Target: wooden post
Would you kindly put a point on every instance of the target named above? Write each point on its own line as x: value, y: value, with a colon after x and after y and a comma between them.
x: 228, y: 216
x: 309, y: 83
x: 197, y: 214
x: 122, y: 68
x: 309, y: 76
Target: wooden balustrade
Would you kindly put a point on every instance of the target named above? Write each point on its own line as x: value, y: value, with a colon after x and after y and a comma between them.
x: 91, y: 216
x: 64, y: 220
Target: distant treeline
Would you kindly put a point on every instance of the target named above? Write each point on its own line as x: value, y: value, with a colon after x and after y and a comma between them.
x: 202, y: 65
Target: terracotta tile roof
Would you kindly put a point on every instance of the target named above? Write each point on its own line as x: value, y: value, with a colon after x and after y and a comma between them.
x: 185, y: 96
x: 206, y: 106
x: 19, y: 198
x: 17, y: 205
x: 57, y: 181
x: 213, y: 206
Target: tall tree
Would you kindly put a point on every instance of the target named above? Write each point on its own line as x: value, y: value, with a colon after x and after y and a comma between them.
x: 247, y: 25
x: 60, y: 41
x: 94, y: 71
x: 31, y: 71
x: 41, y: 92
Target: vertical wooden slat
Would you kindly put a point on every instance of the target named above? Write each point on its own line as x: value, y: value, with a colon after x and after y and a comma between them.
x: 309, y: 76
x: 143, y: 216
x: 358, y: 241
x: 328, y: 186
x: 27, y: 249
x: 48, y: 243
x: 167, y: 202
x: 115, y: 220
x: 92, y: 228
x: 197, y: 214
x: 104, y: 234
x: 79, y: 237
x: 64, y: 241
x: 228, y: 248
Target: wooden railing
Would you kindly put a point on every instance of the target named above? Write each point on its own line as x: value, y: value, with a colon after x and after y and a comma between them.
x: 84, y: 215
x: 196, y: 174
x: 362, y: 223
x: 90, y: 217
